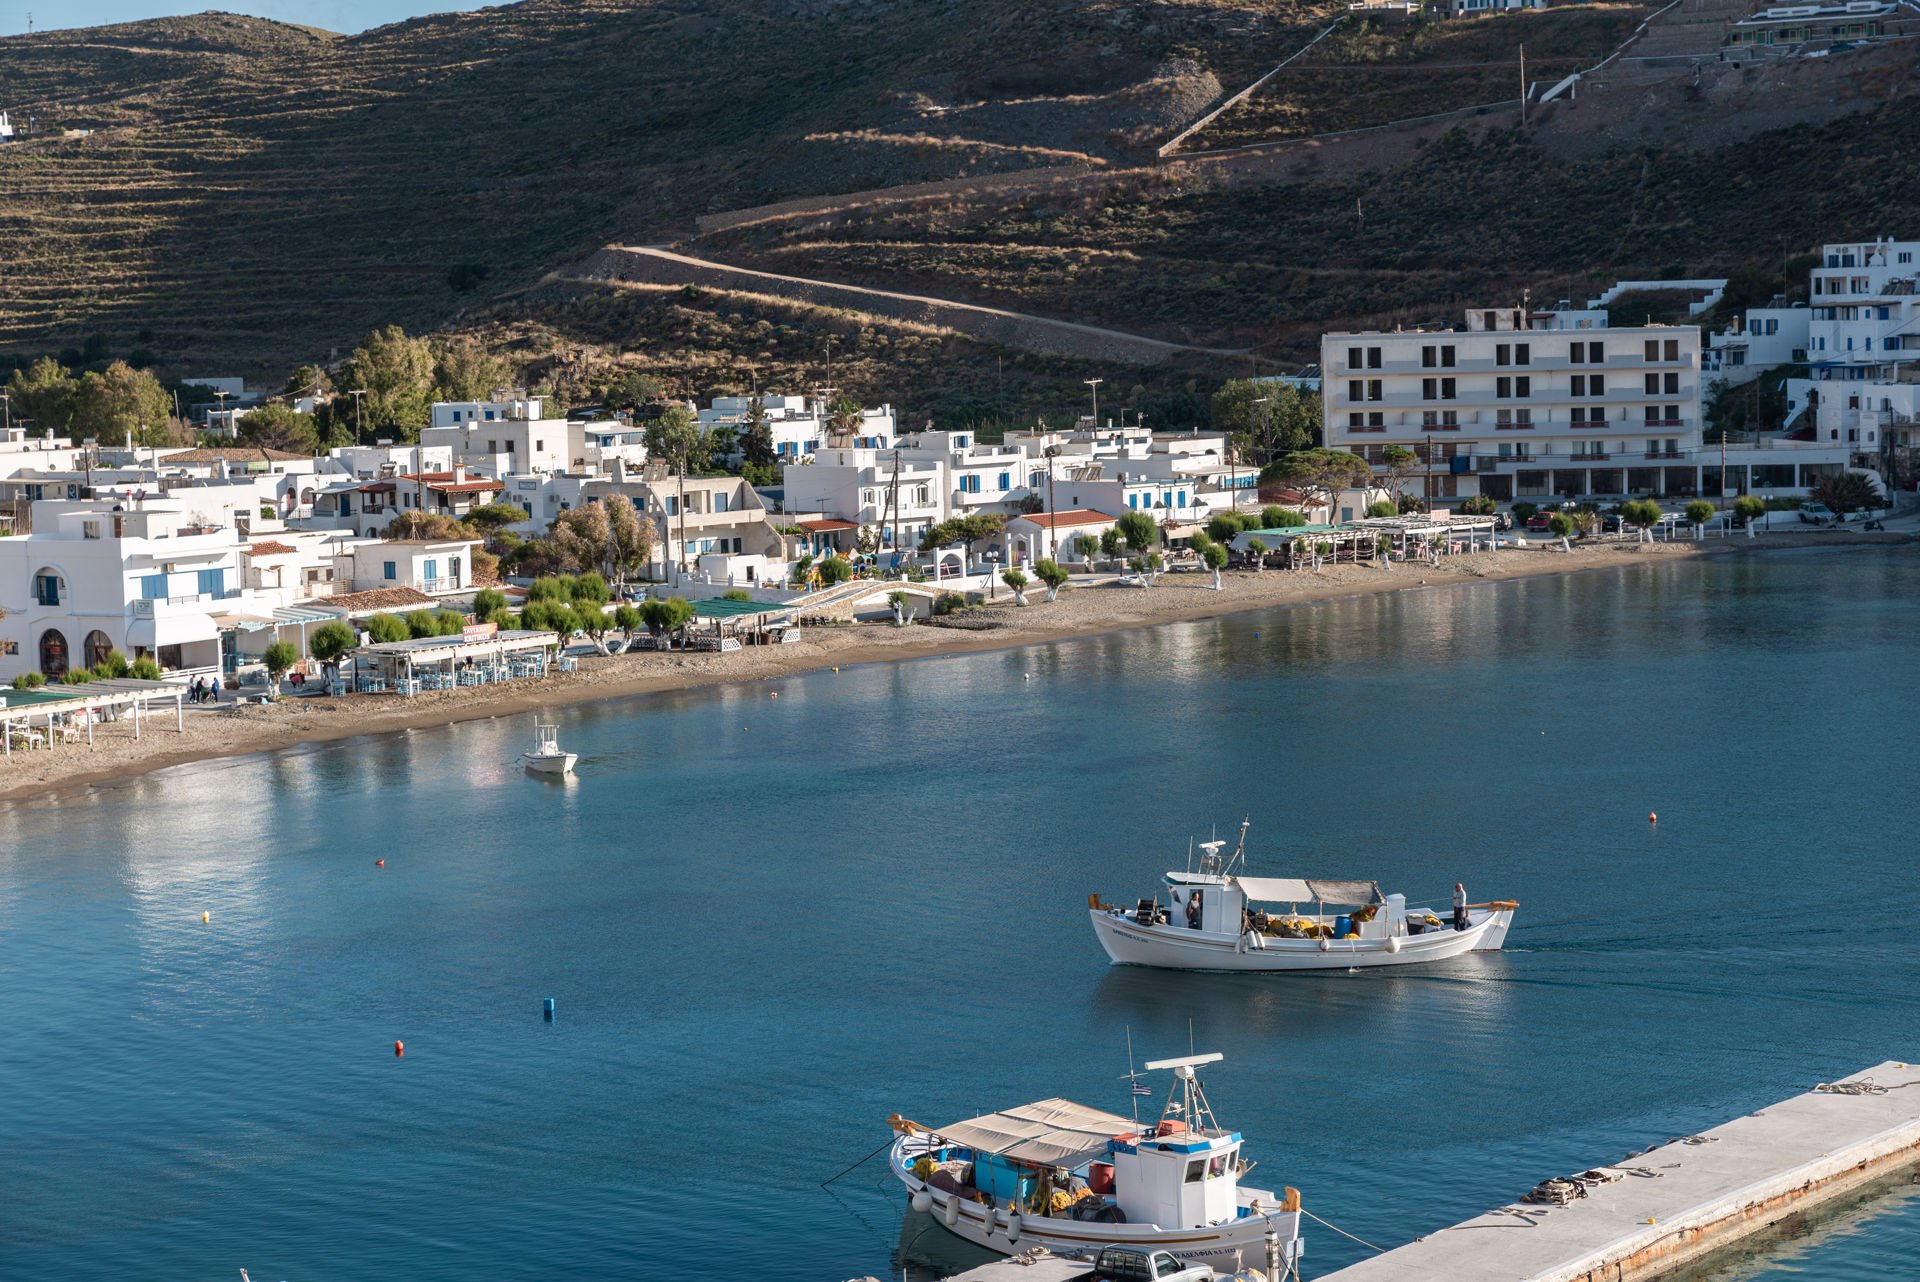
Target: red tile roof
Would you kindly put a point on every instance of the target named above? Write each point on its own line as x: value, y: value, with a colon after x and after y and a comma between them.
x: 232, y: 454
x: 381, y: 599
x: 827, y: 526
x: 444, y: 481
x: 269, y: 547
x: 1073, y: 516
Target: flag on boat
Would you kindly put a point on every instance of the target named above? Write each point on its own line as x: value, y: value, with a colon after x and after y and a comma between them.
x: 1141, y: 1088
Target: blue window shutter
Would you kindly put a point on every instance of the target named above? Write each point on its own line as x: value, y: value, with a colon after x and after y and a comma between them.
x: 390, y: 571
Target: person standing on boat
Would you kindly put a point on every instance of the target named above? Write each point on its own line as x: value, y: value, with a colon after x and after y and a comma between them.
x: 1459, y: 906
x: 1193, y: 910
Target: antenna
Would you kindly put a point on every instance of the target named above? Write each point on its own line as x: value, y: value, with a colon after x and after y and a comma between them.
x: 1135, y: 1089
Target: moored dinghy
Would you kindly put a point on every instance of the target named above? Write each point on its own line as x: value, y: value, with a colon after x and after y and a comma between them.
x: 1074, y: 1179
x: 546, y: 757
x: 1217, y: 918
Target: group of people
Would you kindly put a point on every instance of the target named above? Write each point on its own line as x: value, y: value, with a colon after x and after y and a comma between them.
x: 203, y: 690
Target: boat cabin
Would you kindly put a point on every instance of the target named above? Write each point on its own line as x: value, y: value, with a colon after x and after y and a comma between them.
x: 1225, y: 902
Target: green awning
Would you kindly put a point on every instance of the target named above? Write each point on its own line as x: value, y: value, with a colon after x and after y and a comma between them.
x: 723, y: 608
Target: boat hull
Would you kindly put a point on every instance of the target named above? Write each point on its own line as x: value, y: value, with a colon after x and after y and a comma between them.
x: 556, y: 763
x: 1127, y: 943
x: 1227, y: 1248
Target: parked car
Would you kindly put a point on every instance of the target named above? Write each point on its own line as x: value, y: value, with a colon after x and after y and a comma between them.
x: 1503, y: 520
x: 1138, y: 1264
x: 1817, y: 513
x: 1540, y: 521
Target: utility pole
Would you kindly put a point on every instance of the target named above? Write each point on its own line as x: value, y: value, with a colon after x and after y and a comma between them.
x: 1094, y: 383
x: 220, y: 402
x: 893, y: 501
x: 6, y: 399
x: 359, y: 418
x: 1523, y: 86
x: 680, y: 505
x: 1053, y: 526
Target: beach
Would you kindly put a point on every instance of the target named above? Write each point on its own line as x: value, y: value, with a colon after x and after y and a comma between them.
x: 49, y: 775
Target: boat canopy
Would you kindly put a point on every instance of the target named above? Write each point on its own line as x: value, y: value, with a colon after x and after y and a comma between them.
x: 1050, y: 1132
x: 1298, y: 890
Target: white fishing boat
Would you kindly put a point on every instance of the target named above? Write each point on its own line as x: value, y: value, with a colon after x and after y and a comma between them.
x: 1218, y: 917
x: 545, y: 757
x: 1074, y: 1179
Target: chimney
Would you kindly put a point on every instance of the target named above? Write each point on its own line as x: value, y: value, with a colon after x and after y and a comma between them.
x: 459, y: 473
x: 619, y: 471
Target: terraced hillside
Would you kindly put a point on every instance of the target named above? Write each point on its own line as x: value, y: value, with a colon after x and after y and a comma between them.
x: 1470, y: 219
x: 252, y: 193
x: 1377, y: 69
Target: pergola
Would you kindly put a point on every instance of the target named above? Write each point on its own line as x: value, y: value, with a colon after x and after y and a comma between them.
x: 70, y: 706
x: 440, y: 663
x: 751, y: 622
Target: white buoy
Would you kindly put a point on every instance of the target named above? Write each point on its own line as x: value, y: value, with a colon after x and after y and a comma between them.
x: 1393, y: 944
x: 1325, y: 944
x: 986, y: 1220
x: 1013, y: 1228
x: 922, y: 1201
x: 951, y: 1211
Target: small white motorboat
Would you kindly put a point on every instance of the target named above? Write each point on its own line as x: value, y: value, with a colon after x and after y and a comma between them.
x: 1074, y: 1179
x: 1218, y: 919
x: 546, y: 758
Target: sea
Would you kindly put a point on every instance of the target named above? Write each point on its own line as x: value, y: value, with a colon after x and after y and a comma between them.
x: 770, y: 915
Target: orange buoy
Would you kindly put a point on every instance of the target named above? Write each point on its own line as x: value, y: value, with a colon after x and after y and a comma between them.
x: 776, y: 694
x: 399, y: 1049
x: 206, y: 916
x: 1653, y: 817
x: 379, y: 863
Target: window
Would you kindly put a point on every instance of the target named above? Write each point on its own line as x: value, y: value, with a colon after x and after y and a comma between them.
x: 1005, y: 481
x: 1373, y: 389
x: 1448, y: 389
x: 1446, y: 356
x: 1653, y: 385
x: 153, y: 587
x: 1429, y: 389
x: 1356, y: 359
x: 1373, y: 358
x: 390, y: 571
x: 1503, y: 354
x: 212, y: 582
x: 1673, y: 349
x: 1431, y: 418
x: 89, y: 529
x: 1356, y: 390
x: 720, y: 502
x: 1449, y: 418
x: 1195, y: 1170
x: 431, y: 570
x: 1673, y: 385
x: 970, y: 484
x: 1355, y: 420
x: 1523, y: 353
x: 1523, y: 385
x: 1596, y: 353
x: 47, y: 586
x: 1503, y: 388
x: 1376, y: 422
x: 1577, y: 354
x: 1429, y: 357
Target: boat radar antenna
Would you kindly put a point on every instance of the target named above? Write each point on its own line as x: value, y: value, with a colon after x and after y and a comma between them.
x: 1240, y: 848
x: 1186, y: 1101
x: 1136, y: 1088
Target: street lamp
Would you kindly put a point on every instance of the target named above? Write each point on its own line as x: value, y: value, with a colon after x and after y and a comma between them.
x: 1094, y: 383
x: 1053, y: 530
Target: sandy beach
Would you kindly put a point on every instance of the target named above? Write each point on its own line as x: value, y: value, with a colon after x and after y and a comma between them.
x: 48, y: 776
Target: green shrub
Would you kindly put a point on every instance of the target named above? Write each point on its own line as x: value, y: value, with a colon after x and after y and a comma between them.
x: 1747, y: 509
x: 280, y: 658
x: 1699, y: 511
x: 29, y: 681
x: 1383, y: 508
x: 144, y: 669
x: 736, y: 594
x: 77, y: 677
x: 113, y: 666
x: 1560, y: 525
x: 450, y: 623
x: 1524, y: 512
x: 835, y: 569
x: 383, y: 629
x: 331, y: 641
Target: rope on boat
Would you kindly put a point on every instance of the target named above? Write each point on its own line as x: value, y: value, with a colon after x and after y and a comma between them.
x: 1343, y: 1233
x: 857, y: 1165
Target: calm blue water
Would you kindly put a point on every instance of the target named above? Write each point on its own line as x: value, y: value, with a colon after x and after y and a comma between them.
x: 768, y: 924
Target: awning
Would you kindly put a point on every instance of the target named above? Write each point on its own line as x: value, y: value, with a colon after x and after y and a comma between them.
x: 1298, y: 890
x: 242, y: 622
x: 172, y: 629
x: 1051, y: 1132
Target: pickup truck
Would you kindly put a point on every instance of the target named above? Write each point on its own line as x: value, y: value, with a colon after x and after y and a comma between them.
x: 1139, y: 1264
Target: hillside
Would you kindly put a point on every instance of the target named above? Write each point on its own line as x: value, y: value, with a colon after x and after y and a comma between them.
x: 253, y: 193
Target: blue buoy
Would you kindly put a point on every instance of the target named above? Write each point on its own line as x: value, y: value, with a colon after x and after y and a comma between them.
x: 547, y: 1006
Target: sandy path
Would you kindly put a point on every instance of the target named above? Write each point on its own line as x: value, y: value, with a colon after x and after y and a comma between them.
x: 48, y: 775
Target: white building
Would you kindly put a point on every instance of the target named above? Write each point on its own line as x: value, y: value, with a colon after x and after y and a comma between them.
x: 435, y: 567
x: 1761, y: 339
x: 798, y: 424
x: 979, y: 478
x: 95, y: 576
x: 1514, y: 406
x: 1863, y: 351
x: 871, y: 487
x: 507, y: 434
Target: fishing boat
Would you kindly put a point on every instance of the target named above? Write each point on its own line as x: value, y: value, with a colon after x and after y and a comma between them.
x: 545, y: 757
x: 1219, y: 917
x: 1074, y: 1179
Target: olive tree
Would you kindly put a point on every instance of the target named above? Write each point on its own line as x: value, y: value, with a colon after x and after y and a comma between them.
x: 666, y: 616
x: 1257, y: 552
x: 1215, y: 558
x: 1016, y: 580
x: 1053, y: 574
x: 279, y: 658
x: 1086, y: 545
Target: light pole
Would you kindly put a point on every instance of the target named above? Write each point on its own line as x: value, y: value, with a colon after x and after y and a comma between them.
x: 220, y: 403
x: 359, y: 419
x: 6, y: 399
x: 1094, y: 383
x: 1053, y: 529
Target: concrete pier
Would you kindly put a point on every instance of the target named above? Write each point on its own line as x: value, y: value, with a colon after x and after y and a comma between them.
x: 1657, y: 1210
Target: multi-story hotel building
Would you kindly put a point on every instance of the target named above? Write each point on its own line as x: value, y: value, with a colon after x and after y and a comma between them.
x: 1518, y: 404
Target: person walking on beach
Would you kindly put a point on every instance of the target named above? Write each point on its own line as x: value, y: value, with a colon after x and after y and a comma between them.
x: 213, y: 691
x: 1459, y: 906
